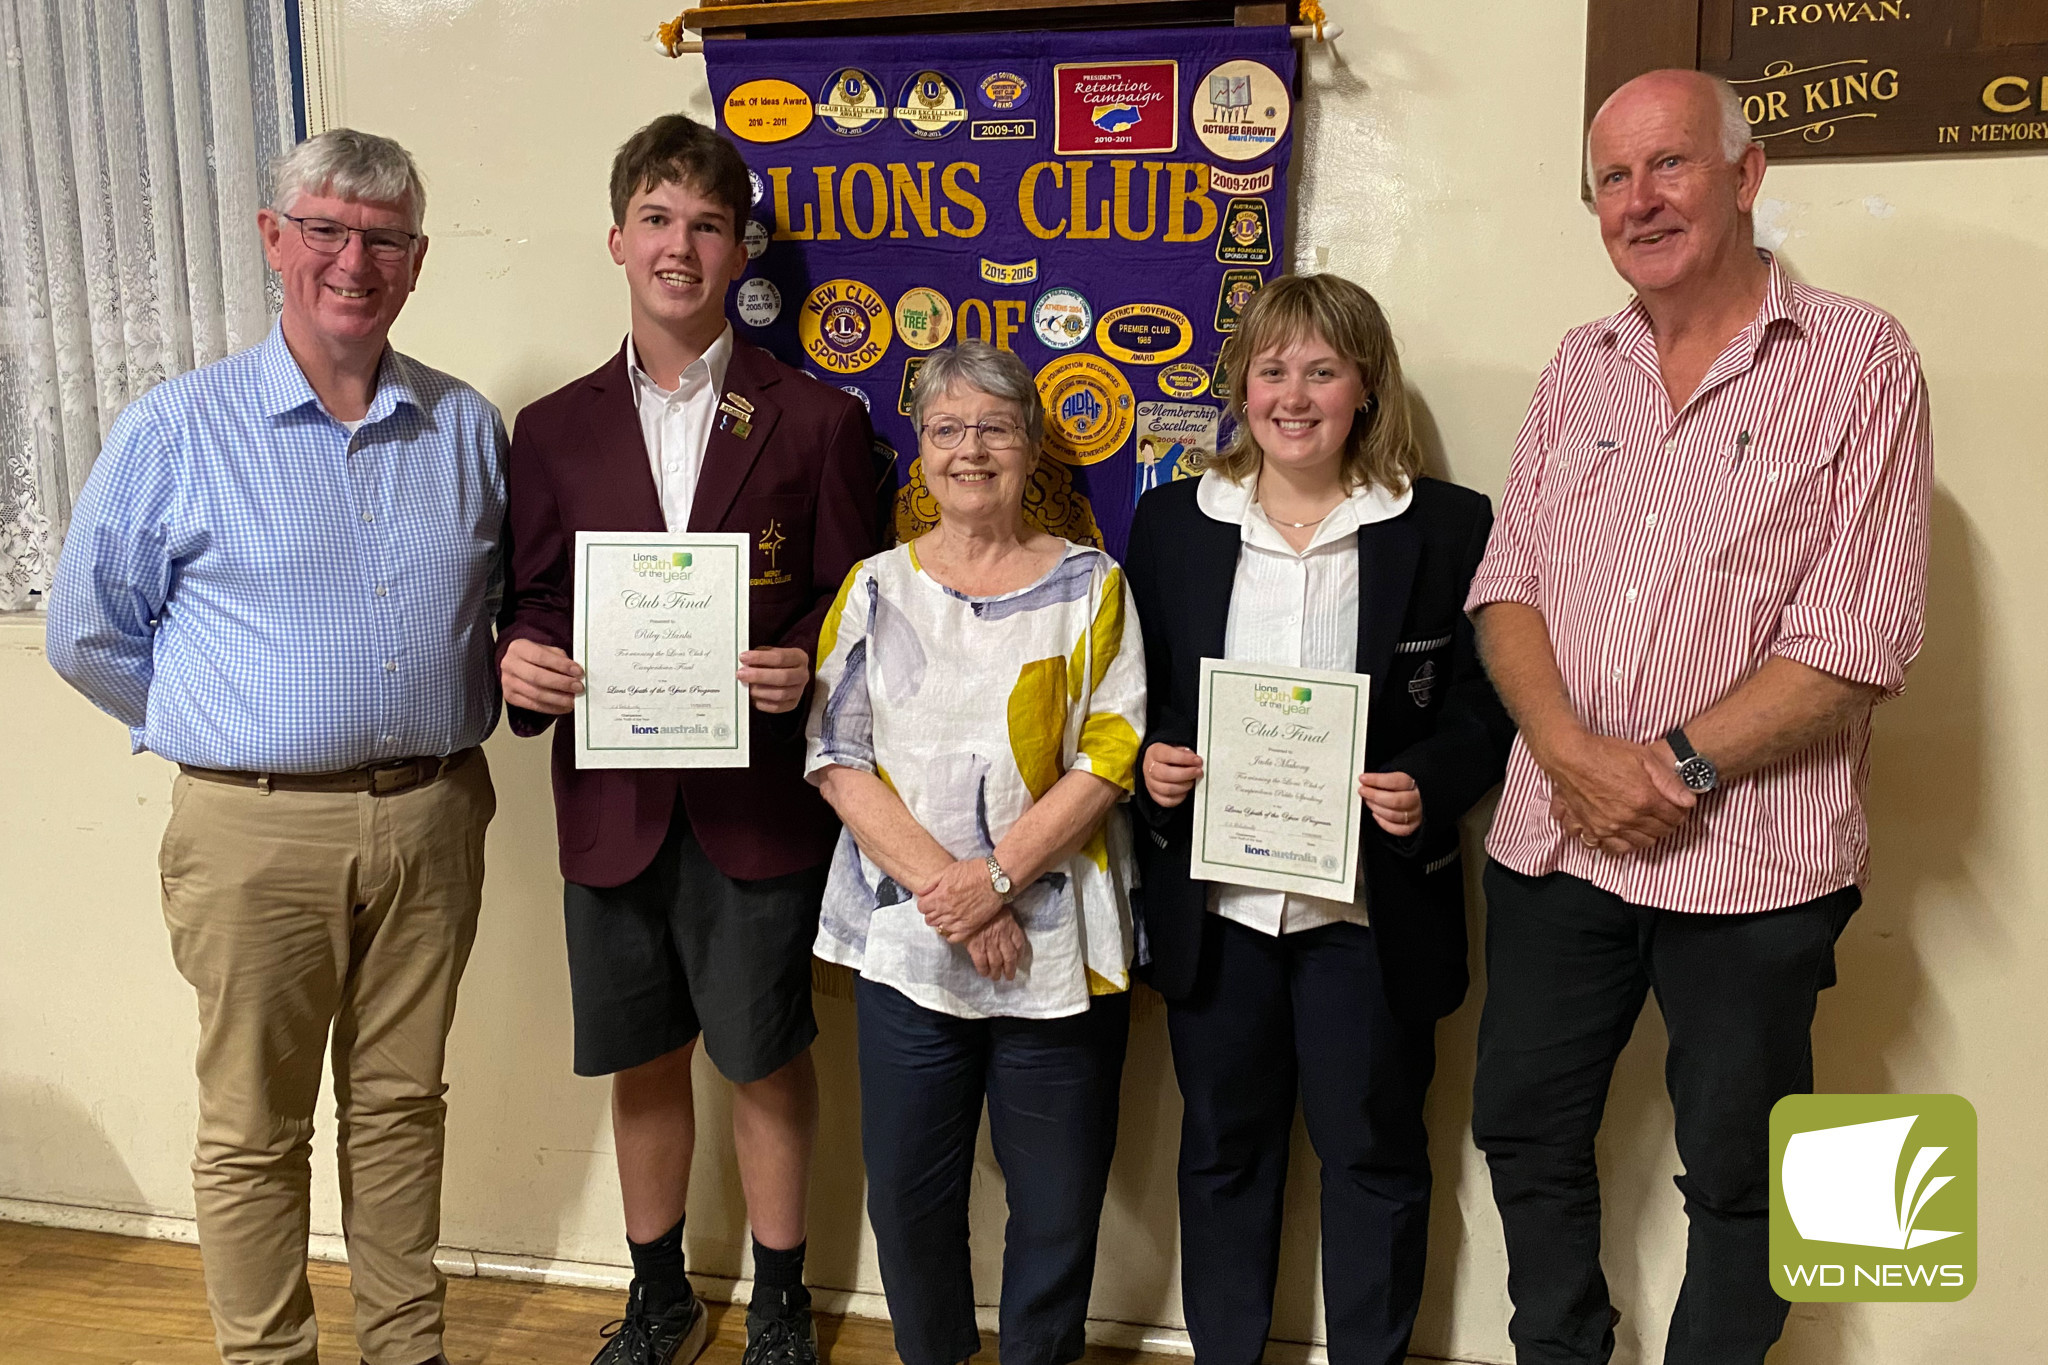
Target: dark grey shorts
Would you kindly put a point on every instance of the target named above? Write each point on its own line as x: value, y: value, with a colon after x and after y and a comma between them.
x: 683, y: 949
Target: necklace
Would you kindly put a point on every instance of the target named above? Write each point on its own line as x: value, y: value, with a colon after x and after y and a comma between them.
x: 1297, y: 525
x: 1294, y: 525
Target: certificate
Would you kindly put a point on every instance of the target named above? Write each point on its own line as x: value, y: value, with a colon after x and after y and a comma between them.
x: 660, y: 622
x: 1278, y: 806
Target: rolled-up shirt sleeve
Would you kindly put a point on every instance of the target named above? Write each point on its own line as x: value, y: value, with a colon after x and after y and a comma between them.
x: 1511, y: 570
x: 1111, y: 663
x: 114, y: 575
x: 1859, y: 613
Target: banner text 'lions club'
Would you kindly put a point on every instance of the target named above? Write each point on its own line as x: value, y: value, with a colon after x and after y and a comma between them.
x: 1102, y: 205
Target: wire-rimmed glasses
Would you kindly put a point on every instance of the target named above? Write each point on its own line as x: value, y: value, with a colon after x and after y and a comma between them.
x: 998, y: 433
x: 330, y: 238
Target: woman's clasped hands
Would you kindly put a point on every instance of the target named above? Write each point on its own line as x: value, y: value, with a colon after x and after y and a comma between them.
x: 962, y: 905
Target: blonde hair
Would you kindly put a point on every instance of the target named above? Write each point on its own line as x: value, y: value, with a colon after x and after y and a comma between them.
x: 1381, y: 447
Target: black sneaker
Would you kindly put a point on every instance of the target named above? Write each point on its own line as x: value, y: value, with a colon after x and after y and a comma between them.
x: 676, y: 1336
x: 784, y: 1338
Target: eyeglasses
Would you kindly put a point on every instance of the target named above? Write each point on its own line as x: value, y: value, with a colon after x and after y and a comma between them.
x: 946, y: 433
x: 330, y: 238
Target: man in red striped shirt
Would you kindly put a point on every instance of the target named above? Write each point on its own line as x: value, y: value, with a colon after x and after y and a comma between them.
x: 1710, y: 564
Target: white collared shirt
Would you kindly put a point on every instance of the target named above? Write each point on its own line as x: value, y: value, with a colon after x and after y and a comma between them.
x: 1299, y: 609
x: 676, y: 424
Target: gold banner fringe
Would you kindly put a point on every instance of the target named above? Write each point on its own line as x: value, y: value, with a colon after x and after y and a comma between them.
x: 831, y: 980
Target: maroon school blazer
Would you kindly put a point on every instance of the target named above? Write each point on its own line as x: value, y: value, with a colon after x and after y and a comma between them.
x: 802, y: 480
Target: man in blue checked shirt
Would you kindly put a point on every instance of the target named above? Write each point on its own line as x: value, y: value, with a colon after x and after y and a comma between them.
x: 281, y: 576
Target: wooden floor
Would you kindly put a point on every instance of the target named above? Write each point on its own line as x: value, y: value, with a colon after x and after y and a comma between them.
x: 86, y: 1298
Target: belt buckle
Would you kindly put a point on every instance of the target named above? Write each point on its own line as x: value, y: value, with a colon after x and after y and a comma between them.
x: 394, y: 771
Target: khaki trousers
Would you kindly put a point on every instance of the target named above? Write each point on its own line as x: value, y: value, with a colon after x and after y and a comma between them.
x: 294, y: 914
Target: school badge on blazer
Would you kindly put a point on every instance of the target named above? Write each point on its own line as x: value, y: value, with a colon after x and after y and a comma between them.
x: 772, y: 540
x: 1422, y: 686
x: 736, y: 414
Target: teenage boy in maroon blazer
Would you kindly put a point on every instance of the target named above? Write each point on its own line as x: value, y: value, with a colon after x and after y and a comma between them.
x: 692, y: 895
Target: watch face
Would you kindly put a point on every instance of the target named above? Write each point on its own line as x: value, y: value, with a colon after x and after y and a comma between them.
x: 1698, y: 774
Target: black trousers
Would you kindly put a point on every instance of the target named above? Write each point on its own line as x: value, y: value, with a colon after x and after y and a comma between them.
x: 1568, y: 966
x: 1269, y: 1018
x: 1052, y: 1087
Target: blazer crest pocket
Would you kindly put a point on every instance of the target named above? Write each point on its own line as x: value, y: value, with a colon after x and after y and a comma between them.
x: 1420, y: 660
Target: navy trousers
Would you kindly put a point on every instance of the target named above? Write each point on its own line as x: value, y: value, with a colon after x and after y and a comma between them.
x: 1051, y: 1086
x: 1568, y: 966
x: 1269, y: 1018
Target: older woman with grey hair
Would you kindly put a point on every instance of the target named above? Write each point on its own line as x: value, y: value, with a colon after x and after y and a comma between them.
x: 975, y: 724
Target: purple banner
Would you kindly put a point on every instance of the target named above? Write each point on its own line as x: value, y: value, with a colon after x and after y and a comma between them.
x: 1100, y: 204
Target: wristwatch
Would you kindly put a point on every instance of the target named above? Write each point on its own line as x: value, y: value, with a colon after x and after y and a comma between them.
x: 1699, y: 774
x: 999, y: 879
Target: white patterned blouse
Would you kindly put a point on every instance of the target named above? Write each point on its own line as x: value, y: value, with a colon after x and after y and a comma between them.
x: 970, y: 709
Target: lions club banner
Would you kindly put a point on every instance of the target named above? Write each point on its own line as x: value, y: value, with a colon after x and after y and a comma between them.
x: 1101, y: 204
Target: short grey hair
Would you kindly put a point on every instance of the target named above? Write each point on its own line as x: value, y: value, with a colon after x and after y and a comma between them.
x: 982, y: 367
x: 1736, y: 135
x: 348, y: 164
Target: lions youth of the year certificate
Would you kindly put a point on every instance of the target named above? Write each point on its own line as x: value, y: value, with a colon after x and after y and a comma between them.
x: 659, y: 625
x: 1277, y: 806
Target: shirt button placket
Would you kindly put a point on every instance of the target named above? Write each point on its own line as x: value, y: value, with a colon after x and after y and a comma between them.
x: 385, y: 626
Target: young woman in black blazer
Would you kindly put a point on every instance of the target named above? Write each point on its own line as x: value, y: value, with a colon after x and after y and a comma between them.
x: 1313, y: 540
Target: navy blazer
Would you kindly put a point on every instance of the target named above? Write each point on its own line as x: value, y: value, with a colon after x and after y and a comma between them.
x: 1433, y: 716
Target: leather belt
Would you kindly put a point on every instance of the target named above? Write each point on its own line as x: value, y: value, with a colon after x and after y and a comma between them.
x: 378, y: 779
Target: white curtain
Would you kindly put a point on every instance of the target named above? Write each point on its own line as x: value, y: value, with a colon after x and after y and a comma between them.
x: 135, y: 141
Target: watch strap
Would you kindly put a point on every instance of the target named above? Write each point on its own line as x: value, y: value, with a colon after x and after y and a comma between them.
x: 1681, y: 747
x: 1698, y: 773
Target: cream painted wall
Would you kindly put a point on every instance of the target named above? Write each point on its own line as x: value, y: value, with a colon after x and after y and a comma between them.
x: 1438, y: 168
